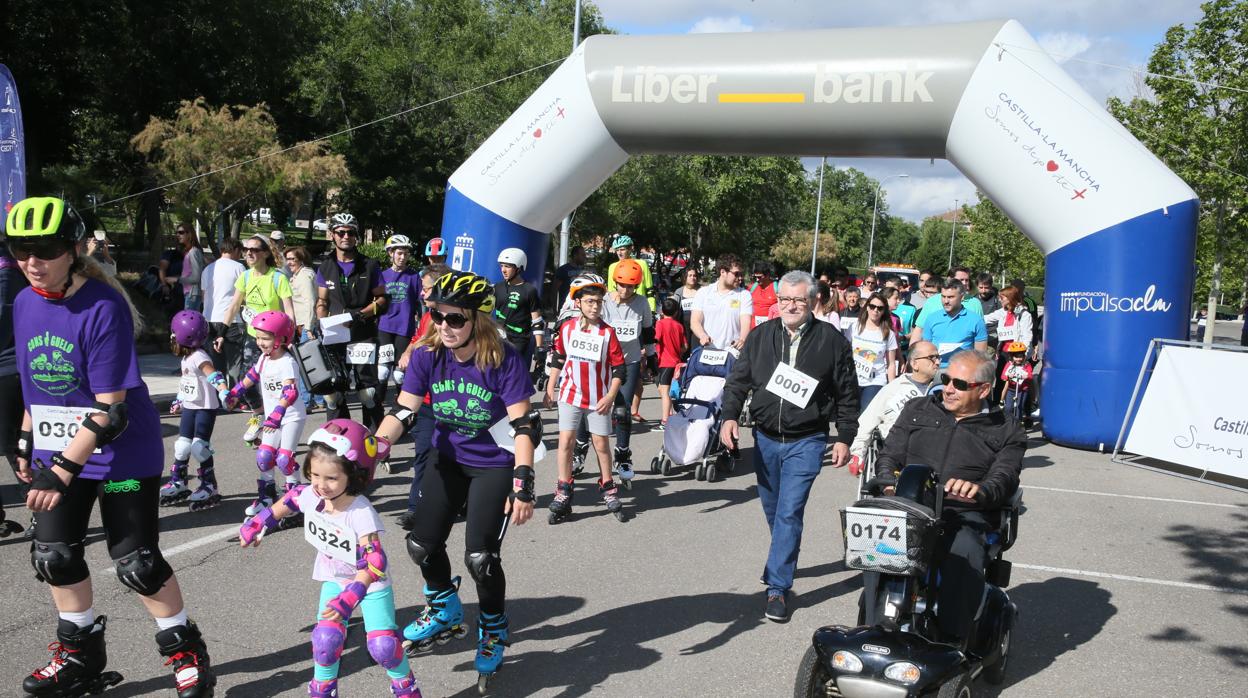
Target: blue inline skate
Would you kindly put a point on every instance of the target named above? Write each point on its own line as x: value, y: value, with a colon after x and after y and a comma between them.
x: 491, y: 641
x: 442, y: 620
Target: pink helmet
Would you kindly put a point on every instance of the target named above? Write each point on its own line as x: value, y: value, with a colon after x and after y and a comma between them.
x: 349, y: 439
x: 277, y: 323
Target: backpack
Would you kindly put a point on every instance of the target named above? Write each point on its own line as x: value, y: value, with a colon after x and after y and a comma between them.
x: 320, y: 369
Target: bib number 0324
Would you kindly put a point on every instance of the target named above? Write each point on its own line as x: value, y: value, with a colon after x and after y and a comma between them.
x: 328, y: 538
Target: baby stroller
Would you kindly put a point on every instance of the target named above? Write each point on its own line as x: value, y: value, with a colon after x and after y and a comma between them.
x: 692, y: 433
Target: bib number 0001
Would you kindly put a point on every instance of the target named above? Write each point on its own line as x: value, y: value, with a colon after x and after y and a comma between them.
x: 791, y: 385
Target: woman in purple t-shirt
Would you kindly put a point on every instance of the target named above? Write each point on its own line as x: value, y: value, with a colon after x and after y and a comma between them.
x: 395, y: 326
x: 480, y: 390
x: 74, y: 332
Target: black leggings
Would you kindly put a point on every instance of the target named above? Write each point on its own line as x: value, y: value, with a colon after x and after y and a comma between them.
x: 129, y: 512
x: 385, y: 371
x: 446, y: 486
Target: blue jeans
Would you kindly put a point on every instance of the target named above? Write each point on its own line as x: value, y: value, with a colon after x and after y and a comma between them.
x: 785, y: 472
x: 866, y: 394
x: 422, y: 435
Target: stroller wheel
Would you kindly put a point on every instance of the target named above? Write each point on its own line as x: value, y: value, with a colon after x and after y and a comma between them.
x: 665, y: 465
x: 711, y: 472
x: 654, y: 465
x: 699, y: 473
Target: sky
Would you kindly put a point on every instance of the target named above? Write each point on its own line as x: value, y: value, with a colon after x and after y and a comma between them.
x: 1079, y: 35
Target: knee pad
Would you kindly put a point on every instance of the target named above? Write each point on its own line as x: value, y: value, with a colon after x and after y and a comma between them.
x: 327, y: 639
x: 398, y: 378
x: 482, y: 565
x: 201, y: 450
x: 623, y: 416
x: 286, y: 462
x: 385, y: 648
x: 266, y: 458
x: 383, y: 372
x: 417, y: 550
x: 144, y: 570
x: 58, y: 564
x: 332, y: 400
x: 182, y: 449
x: 368, y: 397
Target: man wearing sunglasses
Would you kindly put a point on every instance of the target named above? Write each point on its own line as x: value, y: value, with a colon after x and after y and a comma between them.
x: 978, y: 454
x: 723, y: 313
x: 802, y: 376
x: 350, y: 283
x: 953, y: 327
x: 880, y: 414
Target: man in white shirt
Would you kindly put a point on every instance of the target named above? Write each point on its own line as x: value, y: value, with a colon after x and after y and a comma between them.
x: 218, y: 282
x: 723, y: 313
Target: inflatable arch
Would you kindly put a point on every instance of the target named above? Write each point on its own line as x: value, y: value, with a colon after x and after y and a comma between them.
x: 1117, y: 227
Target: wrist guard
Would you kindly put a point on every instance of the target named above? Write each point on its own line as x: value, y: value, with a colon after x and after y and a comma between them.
x: 45, y: 479
x: 25, y: 444
x: 346, y: 601
x: 274, y: 420
x: 69, y: 466
x: 255, y: 527
x: 522, y: 483
x: 373, y: 559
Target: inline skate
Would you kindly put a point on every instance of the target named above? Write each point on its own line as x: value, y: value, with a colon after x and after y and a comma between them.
x: 491, y: 643
x: 561, y: 505
x: 441, y: 621
x: 611, y: 497
x: 77, y: 665
x: 579, y: 451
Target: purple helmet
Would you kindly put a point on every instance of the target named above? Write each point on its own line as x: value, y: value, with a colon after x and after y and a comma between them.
x: 349, y: 439
x: 276, y: 323
x: 189, y: 328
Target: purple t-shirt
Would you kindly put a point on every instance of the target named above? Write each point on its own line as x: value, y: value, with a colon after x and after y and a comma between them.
x: 403, y: 288
x: 347, y: 268
x: 466, y: 403
x: 70, y: 351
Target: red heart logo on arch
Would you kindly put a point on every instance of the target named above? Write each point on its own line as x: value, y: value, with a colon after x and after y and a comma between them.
x: 537, y: 133
x: 1051, y: 167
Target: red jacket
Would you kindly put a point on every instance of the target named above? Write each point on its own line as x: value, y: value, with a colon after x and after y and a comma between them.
x: 670, y: 335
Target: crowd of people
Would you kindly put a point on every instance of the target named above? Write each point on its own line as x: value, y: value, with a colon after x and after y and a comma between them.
x: 463, y: 357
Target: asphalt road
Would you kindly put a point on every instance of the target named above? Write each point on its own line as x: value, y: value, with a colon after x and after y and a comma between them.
x: 1129, y: 582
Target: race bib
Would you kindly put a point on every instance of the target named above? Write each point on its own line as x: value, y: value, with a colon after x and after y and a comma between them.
x: 248, y: 315
x: 188, y: 389
x: 791, y: 385
x: 328, y: 537
x: 1007, y: 333
x: 714, y: 357
x: 759, y: 319
x: 362, y: 353
x: 865, y: 369
x: 54, y: 426
x: 272, y: 388
x: 626, y: 331
x: 385, y: 354
x: 876, y: 532
x: 585, y: 346
x: 686, y: 304
x: 947, y: 348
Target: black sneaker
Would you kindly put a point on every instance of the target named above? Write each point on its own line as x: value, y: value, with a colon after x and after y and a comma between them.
x: 777, y: 608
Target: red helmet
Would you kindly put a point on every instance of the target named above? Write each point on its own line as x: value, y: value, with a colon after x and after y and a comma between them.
x: 350, y: 440
x: 435, y: 248
x: 276, y: 323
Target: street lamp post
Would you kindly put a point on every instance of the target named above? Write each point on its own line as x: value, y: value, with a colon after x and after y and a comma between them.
x: 875, y: 209
x: 814, y: 252
x: 565, y: 228
x: 953, y: 233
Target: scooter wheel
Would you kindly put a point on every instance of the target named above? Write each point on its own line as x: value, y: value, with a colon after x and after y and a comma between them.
x: 654, y: 465
x: 812, y: 678
x: 957, y: 688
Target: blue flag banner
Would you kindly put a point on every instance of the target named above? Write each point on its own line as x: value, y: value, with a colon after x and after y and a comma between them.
x: 12, y: 145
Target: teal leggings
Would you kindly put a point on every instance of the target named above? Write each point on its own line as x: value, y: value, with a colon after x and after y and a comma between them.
x: 378, y: 610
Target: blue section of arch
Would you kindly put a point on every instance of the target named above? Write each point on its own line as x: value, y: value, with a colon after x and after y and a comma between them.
x: 1103, y: 298
x: 475, y: 235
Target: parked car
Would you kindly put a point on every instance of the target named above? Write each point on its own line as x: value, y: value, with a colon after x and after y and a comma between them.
x: 320, y: 225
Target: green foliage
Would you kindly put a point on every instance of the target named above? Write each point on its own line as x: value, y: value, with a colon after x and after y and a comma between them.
x: 996, y: 246
x: 793, y: 250
x: 932, y: 252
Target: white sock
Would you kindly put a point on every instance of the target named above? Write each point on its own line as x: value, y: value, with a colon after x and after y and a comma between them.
x: 172, y: 621
x: 81, y: 619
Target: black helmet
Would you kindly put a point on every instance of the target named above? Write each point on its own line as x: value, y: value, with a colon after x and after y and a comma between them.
x: 44, y: 218
x: 463, y: 289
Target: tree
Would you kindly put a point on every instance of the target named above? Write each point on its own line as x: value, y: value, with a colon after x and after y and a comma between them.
x: 932, y: 252
x: 793, y: 250
x: 200, y: 149
x: 1197, y: 124
x: 996, y: 246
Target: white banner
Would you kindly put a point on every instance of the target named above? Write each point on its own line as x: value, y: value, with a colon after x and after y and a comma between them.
x: 1188, y: 416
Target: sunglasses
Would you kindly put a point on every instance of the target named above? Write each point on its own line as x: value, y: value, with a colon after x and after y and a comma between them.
x: 929, y: 357
x: 453, y: 320
x: 958, y: 382
x: 344, y: 232
x: 253, y: 250
x: 873, y: 306
x: 46, y: 250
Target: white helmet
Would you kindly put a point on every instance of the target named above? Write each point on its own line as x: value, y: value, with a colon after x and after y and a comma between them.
x: 395, y: 241
x: 343, y: 220
x: 514, y: 256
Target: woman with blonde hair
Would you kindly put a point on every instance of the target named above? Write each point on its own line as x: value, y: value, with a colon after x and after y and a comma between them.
x: 483, y: 445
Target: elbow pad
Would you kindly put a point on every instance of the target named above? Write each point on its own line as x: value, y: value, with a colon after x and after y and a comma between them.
x: 118, y: 415
x: 619, y: 372
x: 555, y: 360
x: 290, y: 393
x: 373, y: 559
x: 529, y: 425
x: 405, y: 416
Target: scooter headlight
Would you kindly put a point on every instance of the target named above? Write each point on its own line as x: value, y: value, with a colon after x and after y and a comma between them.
x: 902, y: 672
x: 847, y: 662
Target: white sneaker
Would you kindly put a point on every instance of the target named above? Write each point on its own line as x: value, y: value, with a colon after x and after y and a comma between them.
x: 258, y: 506
x: 253, y: 429
x: 625, y: 471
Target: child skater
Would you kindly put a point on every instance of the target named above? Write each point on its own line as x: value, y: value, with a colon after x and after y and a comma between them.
x: 199, y: 397
x: 587, y: 365
x: 669, y: 334
x: 1016, y: 377
x: 276, y: 374
x: 350, y: 564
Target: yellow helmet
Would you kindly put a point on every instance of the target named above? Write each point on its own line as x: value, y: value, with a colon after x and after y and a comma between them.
x: 40, y: 218
x: 463, y: 289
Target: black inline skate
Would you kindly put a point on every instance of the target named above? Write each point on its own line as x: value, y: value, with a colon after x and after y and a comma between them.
x: 8, y: 527
x: 624, y: 466
x: 183, y: 648
x: 579, y: 451
x: 561, y: 505
x: 611, y: 497
x: 77, y: 665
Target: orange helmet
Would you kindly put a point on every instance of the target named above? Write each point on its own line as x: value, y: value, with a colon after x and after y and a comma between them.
x: 628, y: 272
x: 1015, y: 348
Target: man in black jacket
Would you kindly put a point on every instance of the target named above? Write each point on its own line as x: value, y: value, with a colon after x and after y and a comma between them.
x: 978, y: 454
x: 802, y: 376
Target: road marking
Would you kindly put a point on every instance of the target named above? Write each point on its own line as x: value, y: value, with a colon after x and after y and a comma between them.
x: 192, y: 544
x: 1135, y: 496
x: 762, y: 98
x: 1132, y: 578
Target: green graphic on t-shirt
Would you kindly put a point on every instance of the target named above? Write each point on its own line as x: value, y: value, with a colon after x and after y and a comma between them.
x: 466, y: 407
x: 50, y: 369
x: 116, y: 487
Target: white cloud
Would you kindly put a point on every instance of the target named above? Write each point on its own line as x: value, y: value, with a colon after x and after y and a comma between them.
x: 1063, y: 46
x: 721, y: 25
x: 929, y: 189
